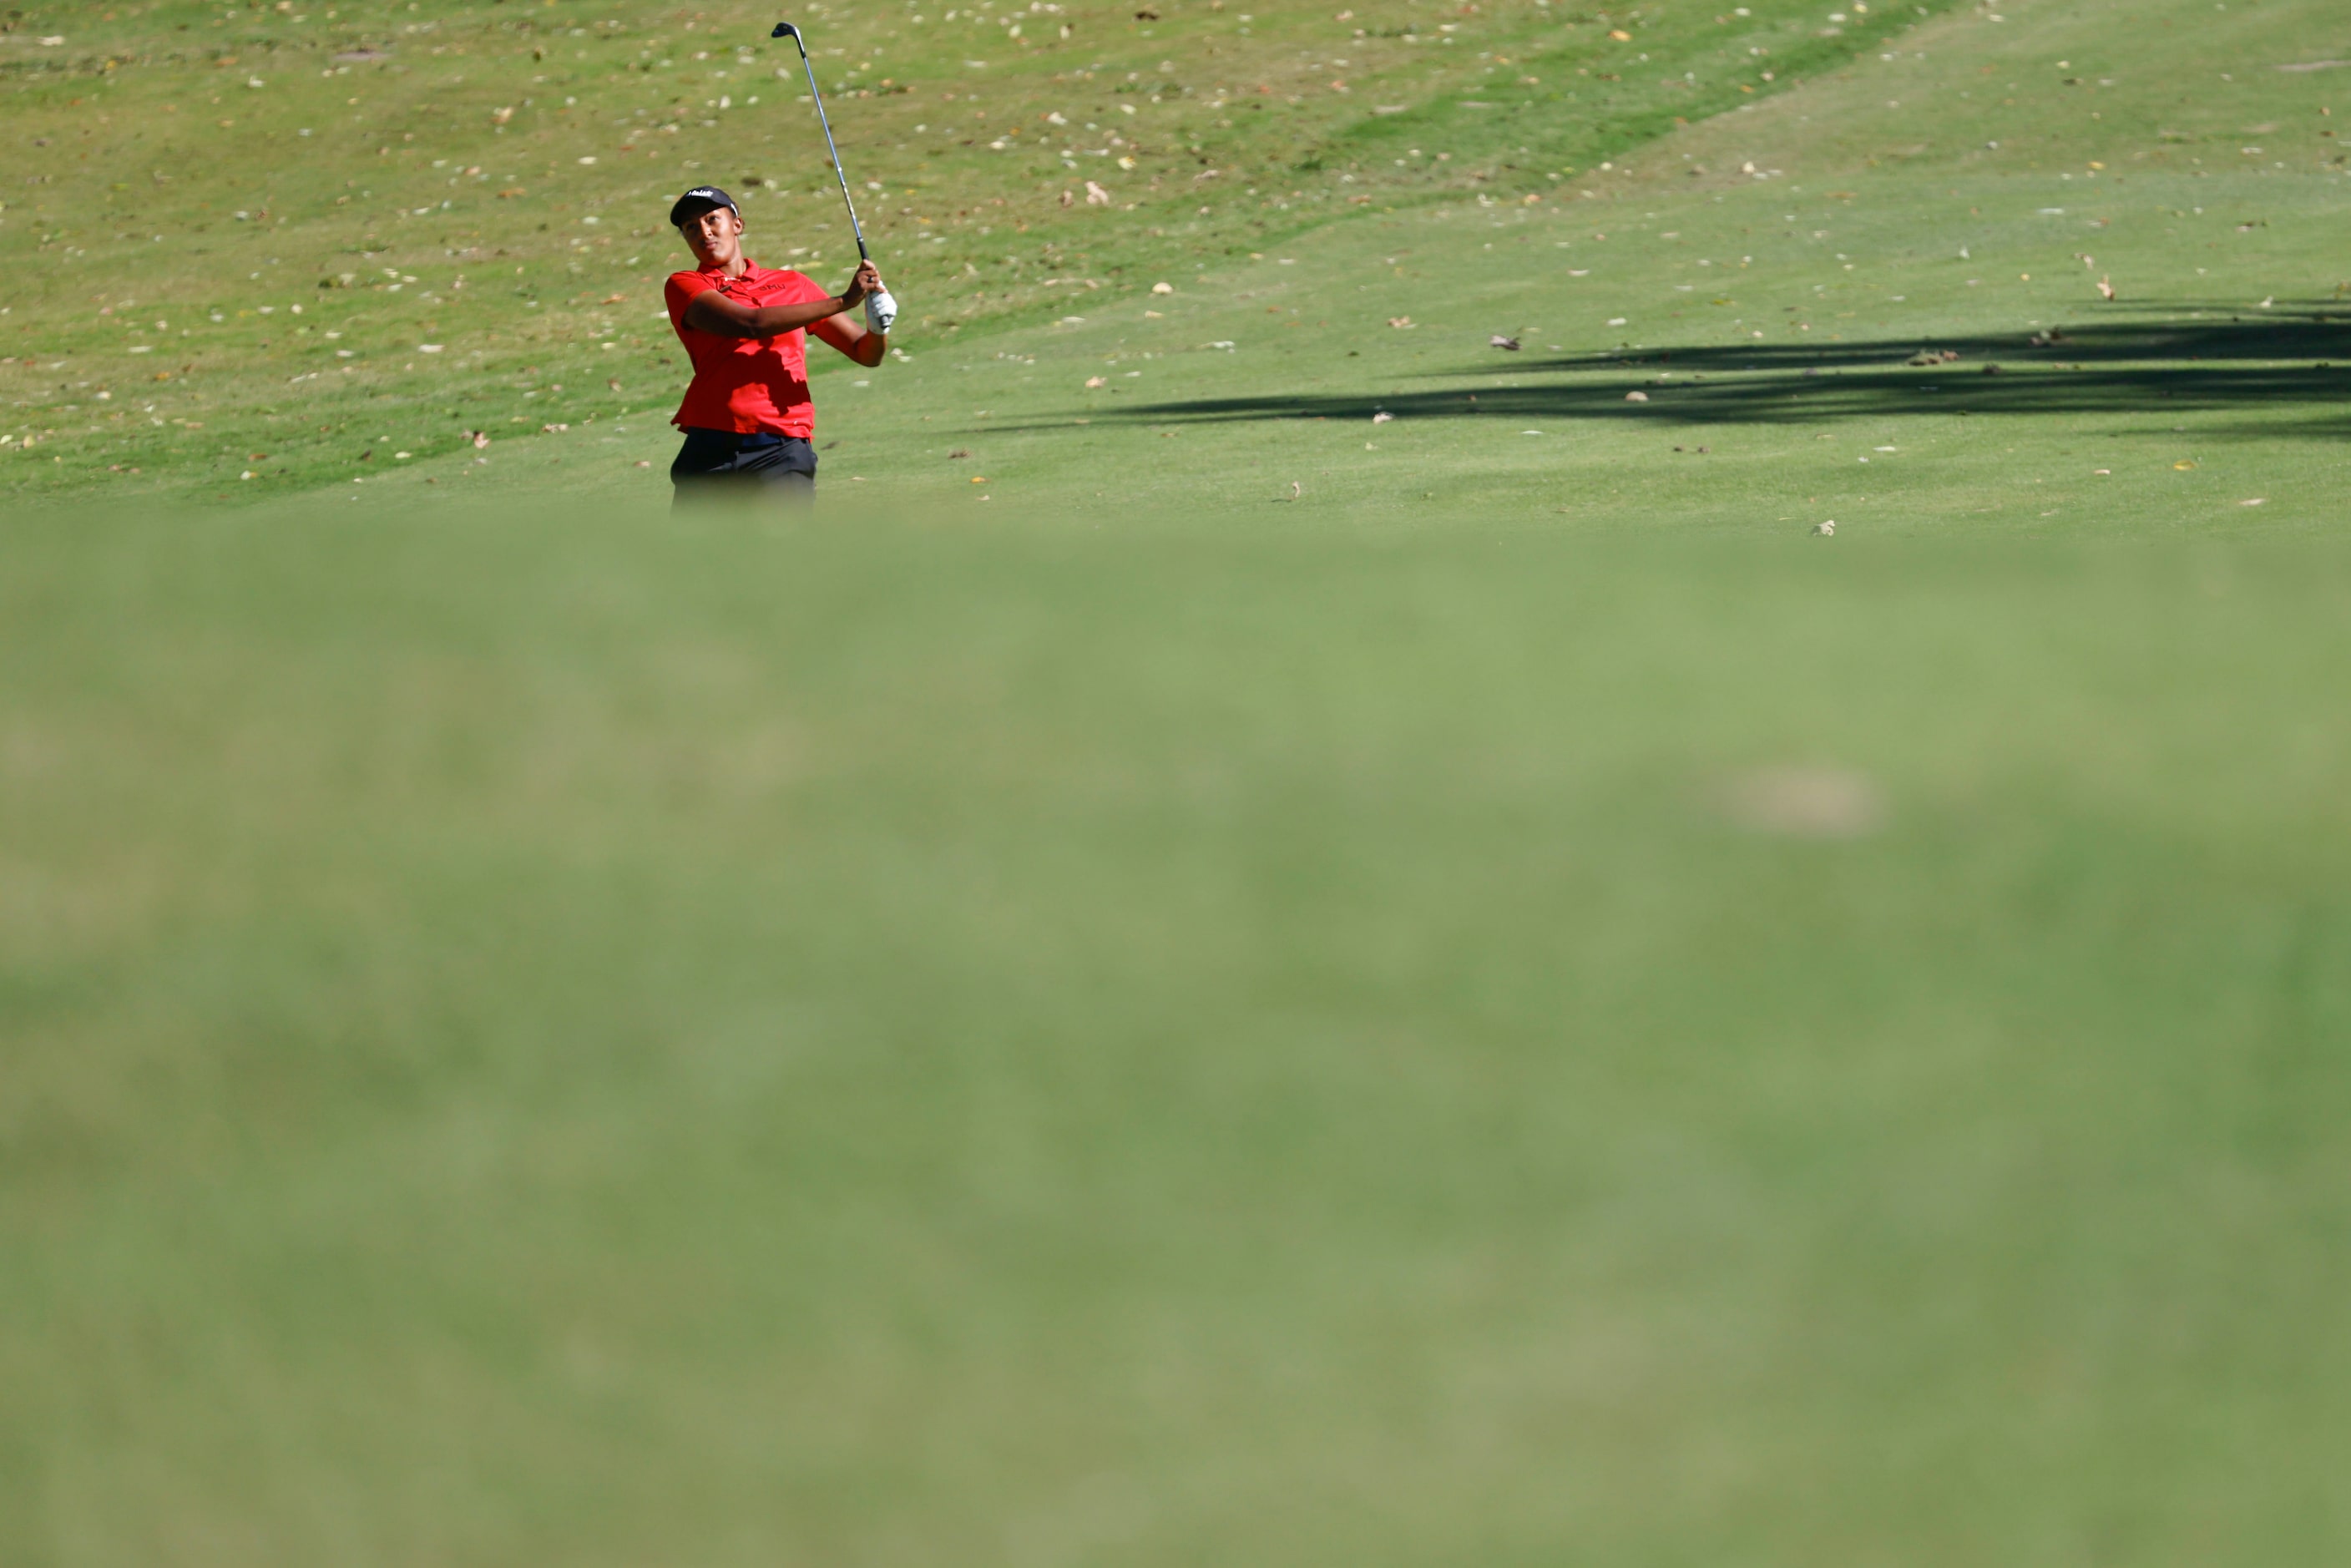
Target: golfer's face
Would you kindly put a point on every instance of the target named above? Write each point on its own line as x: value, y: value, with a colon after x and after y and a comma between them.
x: 715, y: 236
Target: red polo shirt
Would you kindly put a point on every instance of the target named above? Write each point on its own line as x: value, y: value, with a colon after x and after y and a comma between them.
x: 748, y: 384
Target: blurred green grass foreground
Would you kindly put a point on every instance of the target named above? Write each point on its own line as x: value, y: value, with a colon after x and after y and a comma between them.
x: 613, y: 1039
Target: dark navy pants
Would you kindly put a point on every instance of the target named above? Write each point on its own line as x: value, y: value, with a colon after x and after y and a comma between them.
x: 719, y: 463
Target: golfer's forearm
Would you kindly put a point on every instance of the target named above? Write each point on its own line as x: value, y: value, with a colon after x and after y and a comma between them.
x: 723, y: 318
x: 776, y: 319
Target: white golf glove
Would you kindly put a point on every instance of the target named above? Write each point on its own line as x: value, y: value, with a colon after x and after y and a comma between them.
x: 880, y: 310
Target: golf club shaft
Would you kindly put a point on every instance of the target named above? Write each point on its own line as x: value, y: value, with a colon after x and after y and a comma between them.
x: 839, y: 173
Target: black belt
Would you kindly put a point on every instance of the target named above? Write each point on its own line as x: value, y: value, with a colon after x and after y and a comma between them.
x: 739, y: 441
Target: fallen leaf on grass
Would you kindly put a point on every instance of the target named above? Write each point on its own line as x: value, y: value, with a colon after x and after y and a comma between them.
x: 959, y: 452
x: 1499, y: 341
x: 1382, y: 417
x: 1399, y: 320
x: 1637, y: 397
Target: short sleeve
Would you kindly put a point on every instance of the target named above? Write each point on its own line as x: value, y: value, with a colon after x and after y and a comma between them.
x: 680, y: 292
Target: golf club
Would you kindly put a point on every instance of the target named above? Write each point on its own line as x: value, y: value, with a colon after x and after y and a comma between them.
x: 880, y: 309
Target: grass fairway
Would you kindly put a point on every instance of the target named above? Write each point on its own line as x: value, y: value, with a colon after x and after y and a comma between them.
x: 534, y: 1039
x: 1182, y: 972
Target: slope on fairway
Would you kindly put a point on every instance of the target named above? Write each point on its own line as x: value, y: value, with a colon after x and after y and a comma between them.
x: 1705, y: 345
x: 584, y: 1039
x: 1733, y: 336
x: 293, y: 242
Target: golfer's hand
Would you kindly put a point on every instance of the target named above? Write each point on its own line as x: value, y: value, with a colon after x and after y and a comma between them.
x: 867, y: 281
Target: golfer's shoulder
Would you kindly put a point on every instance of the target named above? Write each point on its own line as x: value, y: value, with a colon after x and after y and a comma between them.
x: 684, y: 285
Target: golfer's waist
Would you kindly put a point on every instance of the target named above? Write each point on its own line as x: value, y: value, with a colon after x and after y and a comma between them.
x: 739, y: 440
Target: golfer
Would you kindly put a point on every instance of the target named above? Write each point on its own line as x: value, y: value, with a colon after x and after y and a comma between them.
x: 747, y: 416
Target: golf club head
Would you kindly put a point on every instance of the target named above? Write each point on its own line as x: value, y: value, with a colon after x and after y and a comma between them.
x: 880, y: 310
x: 786, y: 30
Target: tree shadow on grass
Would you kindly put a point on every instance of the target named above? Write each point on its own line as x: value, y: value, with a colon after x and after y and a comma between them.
x: 2288, y: 368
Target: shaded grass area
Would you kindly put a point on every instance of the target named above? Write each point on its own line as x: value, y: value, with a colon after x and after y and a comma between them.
x: 595, y: 1038
x: 2286, y: 372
